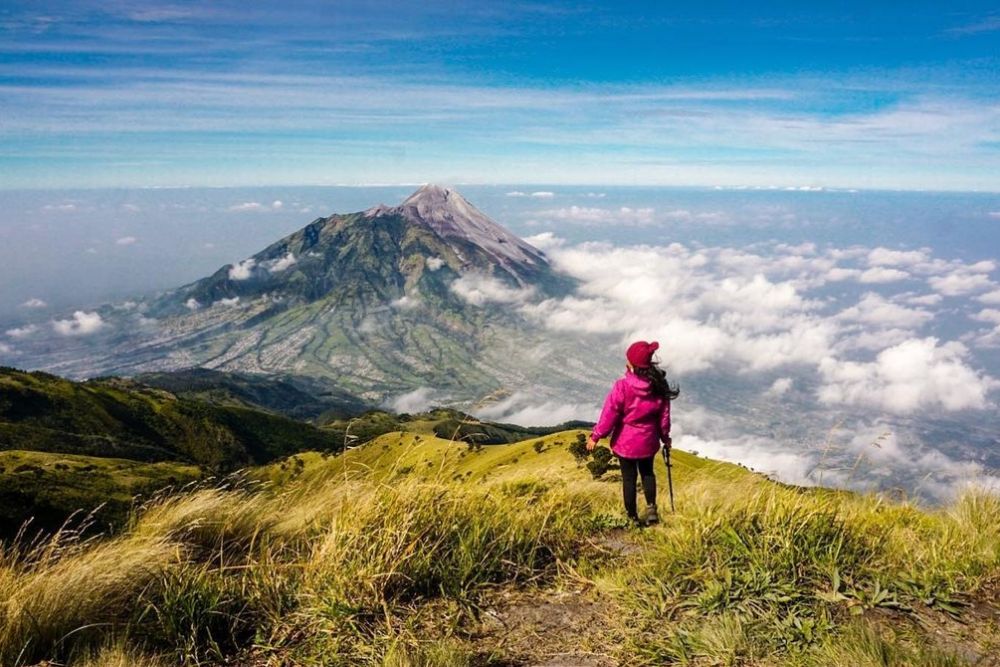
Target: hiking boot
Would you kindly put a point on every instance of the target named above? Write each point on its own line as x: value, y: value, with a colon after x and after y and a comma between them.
x: 651, y: 516
x: 635, y: 520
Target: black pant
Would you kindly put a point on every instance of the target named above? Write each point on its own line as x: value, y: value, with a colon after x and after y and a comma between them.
x: 631, y: 468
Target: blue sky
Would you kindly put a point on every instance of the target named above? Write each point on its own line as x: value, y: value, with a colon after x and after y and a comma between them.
x: 849, y: 95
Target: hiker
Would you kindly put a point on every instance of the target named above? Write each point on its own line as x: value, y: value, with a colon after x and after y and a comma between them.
x: 636, y: 415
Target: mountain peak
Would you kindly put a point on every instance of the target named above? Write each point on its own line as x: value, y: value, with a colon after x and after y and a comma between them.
x: 451, y: 216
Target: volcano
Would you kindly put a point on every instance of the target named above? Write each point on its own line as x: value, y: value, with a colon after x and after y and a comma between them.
x: 427, y: 293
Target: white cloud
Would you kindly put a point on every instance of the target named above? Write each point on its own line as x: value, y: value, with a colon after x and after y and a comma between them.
x: 282, y: 263
x: 248, y: 206
x: 81, y: 324
x: 242, y: 270
x: 531, y: 410
x: 418, y: 400
x: 601, y: 216
x: 991, y: 315
x: 276, y: 204
x: 541, y: 194
x: 925, y: 299
x: 915, y: 374
x: 6, y: 349
x: 994, y: 214
x: 62, y: 208
x: 478, y: 290
x: 545, y: 241
x: 991, y: 298
x: 960, y: 282
x: 131, y: 208
x: 34, y: 303
x: 780, y: 387
x: 886, y: 257
x: 874, y: 309
x: 126, y: 240
x: 192, y: 304
x: 434, y: 263
x: 228, y: 303
x: 406, y: 302
x: 22, y: 332
x: 881, y: 274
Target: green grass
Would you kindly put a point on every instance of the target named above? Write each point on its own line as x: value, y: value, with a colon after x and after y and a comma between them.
x: 401, y: 552
x: 50, y: 488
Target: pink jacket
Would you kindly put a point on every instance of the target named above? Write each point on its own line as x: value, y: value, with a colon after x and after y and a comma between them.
x: 635, y: 419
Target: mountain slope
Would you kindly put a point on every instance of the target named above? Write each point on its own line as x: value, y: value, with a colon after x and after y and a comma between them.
x: 377, y: 303
x: 122, y: 419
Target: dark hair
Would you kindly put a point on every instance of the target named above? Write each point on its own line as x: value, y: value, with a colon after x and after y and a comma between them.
x: 658, y: 380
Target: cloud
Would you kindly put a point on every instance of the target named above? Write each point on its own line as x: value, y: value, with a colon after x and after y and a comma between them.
x: 545, y: 241
x: 601, y: 216
x: 874, y: 309
x: 243, y: 270
x: 991, y: 315
x: 780, y: 387
x: 34, y: 303
x: 434, y: 263
x: 880, y: 274
x: 81, y: 324
x: 541, y: 194
x: 960, y: 282
x: 915, y: 374
x: 886, y: 257
x: 256, y: 206
x: 406, y: 302
x: 62, y: 208
x: 418, y: 400
x: 479, y: 290
x: 131, y: 208
x: 228, y: 303
x: 6, y: 349
x: 22, y: 332
x: 192, y: 304
x: 126, y: 240
x: 282, y: 263
x: 531, y: 410
x: 991, y: 298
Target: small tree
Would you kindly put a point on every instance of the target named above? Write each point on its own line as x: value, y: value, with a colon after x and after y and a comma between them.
x: 578, y: 448
x: 601, y: 462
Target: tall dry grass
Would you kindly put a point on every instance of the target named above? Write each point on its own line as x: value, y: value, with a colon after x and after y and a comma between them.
x: 336, y: 569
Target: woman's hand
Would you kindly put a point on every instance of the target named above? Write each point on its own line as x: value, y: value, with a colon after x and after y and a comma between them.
x: 591, y: 444
x: 668, y: 442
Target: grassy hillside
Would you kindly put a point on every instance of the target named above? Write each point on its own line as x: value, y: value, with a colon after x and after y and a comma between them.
x: 49, y: 488
x: 441, y: 422
x: 123, y: 419
x: 414, y: 550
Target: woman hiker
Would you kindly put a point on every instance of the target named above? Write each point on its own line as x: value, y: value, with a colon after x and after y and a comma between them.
x: 636, y: 415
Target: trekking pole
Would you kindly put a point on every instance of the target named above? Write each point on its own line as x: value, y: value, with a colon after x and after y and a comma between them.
x: 670, y: 477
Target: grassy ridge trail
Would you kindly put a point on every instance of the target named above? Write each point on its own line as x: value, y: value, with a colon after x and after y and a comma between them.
x: 414, y: 550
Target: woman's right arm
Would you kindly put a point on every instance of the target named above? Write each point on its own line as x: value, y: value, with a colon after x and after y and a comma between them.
x: 610, y: 414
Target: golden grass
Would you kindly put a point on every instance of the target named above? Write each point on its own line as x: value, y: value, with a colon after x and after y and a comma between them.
x: 331, y: 564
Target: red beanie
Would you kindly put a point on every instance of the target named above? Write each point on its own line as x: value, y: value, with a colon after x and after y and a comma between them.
x: 640, y: 353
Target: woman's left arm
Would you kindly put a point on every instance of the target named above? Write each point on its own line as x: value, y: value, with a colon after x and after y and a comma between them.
x: 665, y: 424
